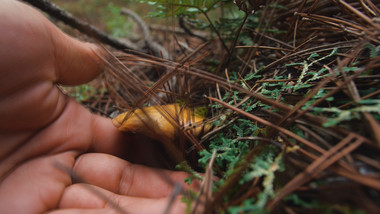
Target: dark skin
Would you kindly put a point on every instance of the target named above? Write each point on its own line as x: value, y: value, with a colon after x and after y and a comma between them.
x: 41, y: 128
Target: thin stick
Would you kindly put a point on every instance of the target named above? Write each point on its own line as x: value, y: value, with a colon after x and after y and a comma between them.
x: 84, y: 27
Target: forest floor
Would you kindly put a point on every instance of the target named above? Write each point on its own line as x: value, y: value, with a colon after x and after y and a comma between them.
x: 290, y: 88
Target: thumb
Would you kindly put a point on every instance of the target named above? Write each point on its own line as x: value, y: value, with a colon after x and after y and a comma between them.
x: 30, y: 42
x: 76, y: 62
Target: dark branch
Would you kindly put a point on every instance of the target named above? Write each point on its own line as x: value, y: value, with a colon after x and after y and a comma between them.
x: 84, y: 27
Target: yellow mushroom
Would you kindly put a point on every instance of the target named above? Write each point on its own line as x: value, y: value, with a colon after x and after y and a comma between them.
x: 161, y: 122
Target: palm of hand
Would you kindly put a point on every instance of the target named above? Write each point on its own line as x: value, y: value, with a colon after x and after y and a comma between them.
x: 40, y: 127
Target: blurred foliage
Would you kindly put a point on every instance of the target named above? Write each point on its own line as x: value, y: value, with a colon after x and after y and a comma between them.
x: 116, y: 24
x: 105, y: 14
x: 188, y: 8
x: 82, y: 92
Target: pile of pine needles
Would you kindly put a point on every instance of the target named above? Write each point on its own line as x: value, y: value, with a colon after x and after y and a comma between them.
x: 312, y: 74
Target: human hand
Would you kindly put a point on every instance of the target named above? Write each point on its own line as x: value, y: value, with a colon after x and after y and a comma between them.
x: 41, y: 128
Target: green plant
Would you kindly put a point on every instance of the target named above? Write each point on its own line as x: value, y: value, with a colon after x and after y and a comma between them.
x: 116, y: 24
x: 338, y: 116
x: 234, y: 145
x: 82, y: 92
x: 313, y: 76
